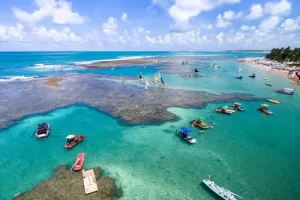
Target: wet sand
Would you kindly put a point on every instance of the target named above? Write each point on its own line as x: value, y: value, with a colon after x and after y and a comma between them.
x: 119, y: 63
x: 130, y: 103
x: 53, y: 82
x: 66, y: 184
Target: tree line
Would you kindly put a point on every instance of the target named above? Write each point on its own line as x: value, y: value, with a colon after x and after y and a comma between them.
x: 284, y: 54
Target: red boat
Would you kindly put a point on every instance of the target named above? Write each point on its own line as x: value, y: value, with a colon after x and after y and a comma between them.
x: 42, y: 131
x: 73, y: 140
x: 79, y: 162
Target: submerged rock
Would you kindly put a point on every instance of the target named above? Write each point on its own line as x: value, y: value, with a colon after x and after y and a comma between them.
x: 66, y: 184
x: 106, y: 93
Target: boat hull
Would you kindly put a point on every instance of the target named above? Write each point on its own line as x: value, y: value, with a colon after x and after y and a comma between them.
x: 190, y: 140
x: 79, y: 162
x: 217, y: 190
x: 73, y: 144
x: 44, y: 135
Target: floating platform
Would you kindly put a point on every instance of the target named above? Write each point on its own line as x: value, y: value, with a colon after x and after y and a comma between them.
x: 89, y: 181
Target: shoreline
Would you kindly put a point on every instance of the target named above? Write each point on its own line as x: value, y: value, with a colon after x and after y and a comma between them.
x: 266, y: 65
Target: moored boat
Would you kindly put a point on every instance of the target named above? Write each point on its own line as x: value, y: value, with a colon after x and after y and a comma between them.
x: 287, y: 91
x: 184, y: 134
x: 42, y: 130
x: 200, y: 124
x: 264, y: 109
x: 269, y: 84
x: 223, y: 193
x: 73, y: 140
x: 79, y: 162
x: 273, y: 101
x: 239, y: 77
x: 224, y: 110
x: 236, y: 107
x: 252, y: 76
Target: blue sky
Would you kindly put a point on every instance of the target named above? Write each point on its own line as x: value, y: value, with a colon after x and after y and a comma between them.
x: 209, y: 25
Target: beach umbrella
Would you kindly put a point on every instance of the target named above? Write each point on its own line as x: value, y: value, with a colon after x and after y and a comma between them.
x: 187, y: 131
x: 265, y: 105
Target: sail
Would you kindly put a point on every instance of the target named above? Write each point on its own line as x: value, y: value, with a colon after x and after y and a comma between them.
x: 196, y: 70
x: 239, y: 70
x: 155, y: 78
x: 159, y: 76
x: 149, y: 80
x: 293, y: 75
x: 162, y: 81
x: 296, y: 77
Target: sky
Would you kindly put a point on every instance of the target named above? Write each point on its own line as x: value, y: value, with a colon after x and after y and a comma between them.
x: 134, y: 25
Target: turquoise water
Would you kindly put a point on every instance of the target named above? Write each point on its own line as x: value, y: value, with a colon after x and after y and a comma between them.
x: 254, y: 155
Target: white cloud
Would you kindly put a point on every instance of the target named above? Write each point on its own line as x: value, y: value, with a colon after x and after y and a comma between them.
x: 12, y: 33
x: 256, y: 11
x: 183, y: 10
x: 122, y: 40
x: 282, y: 7
x: 54, y: 35
x: 225, y: 20
x: 124, y: 17
x: 59, y: 10
x: 110, y: 27
x: 290, y: 25
x: 220, y: 37
x: 139, y: 31
x: 269, y: 23
x: 209, y: 27
x: 247, y: 28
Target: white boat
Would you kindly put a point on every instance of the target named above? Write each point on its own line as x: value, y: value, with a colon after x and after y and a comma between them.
x: 223, y: 193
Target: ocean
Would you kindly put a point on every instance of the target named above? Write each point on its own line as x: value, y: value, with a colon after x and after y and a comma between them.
x: 249, y: 153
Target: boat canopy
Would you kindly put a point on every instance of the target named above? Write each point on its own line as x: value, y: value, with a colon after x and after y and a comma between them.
x: 70, y: 136
x: 187, y: 131
x: 288, y: 90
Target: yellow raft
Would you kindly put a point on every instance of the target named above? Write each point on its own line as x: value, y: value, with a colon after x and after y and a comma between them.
x: 273, y: 101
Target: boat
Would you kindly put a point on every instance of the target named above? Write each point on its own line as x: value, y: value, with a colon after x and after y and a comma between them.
x: 155, y: 81
x: 162, y: 82
x: 200, y: 123
x: 236, y: 107
x: 42, y: 130
x: 287, y: 91
x: 184, y: 133
x: 273, y: 101
x: 269, y: 84
x: 146, y: 84
x: 252, y: 76
x: 224, y: 110
x: 264, y: 109
x: 223, y: 193
x: 79, y: 162
x: 239, y: 77
x: 73, y: 140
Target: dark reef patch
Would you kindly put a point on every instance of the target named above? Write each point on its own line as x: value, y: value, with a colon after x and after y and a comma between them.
x: 105, y: 93
x: 66, y: 184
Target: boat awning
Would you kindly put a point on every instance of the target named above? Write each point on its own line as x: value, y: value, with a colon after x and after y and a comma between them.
x: 186, y: 130
x: 70, y: 136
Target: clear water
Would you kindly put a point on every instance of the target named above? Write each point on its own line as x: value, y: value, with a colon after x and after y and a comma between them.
x: 254, y: 155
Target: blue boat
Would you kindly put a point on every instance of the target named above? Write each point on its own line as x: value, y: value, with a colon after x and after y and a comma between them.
x: 184, y: 133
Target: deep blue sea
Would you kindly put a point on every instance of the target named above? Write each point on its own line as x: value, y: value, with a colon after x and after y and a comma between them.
x: 253, y: 155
